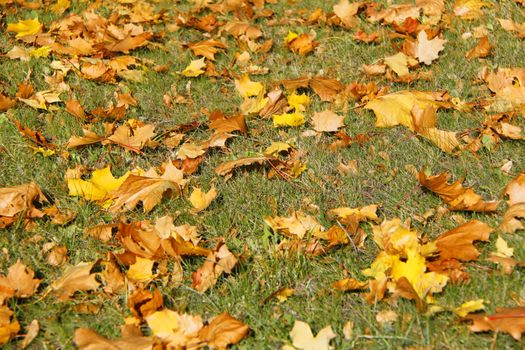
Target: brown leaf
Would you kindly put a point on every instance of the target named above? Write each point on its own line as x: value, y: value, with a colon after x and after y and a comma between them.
x: 207, y: 48
x: 327, y: 121
x: 87, y: 339
x: 129, y: 43
x: 32, y: 332
x: 222, y: 331
x: 458, y: 243
x: 6, y: 102
x: 302, y: 45
x: 89, y: 138
x: 481, y: 50
x: 507, y: 320
x: 103, y: 232
x: 227, y: 167
x: 219, y: 261
x: 74, y: 108
x: 349, y: 285
x: 18, y: 199
x: 9, y: 326
x: 35, y: 136
x: 148, y: 190
x: 132, y: 138
x: 455, y: 195
x: 143, y: 302
x: 57, y: 256
x: 226, y: 125
x: 75, y: 278
x: 19, y: 282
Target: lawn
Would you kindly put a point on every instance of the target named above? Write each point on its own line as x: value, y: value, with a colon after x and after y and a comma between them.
x: 130, y: 72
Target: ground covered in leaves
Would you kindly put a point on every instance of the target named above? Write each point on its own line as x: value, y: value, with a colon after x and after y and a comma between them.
x: 262, y: 174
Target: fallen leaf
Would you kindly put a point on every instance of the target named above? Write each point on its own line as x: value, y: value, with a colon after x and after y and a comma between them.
x: 32, y: 332
x: 455, y: 195
x: 303, y: 338
x: 481, y: 50
x: 468, y: 307
x: 507, y: 320
x: 220, y: 261
x: 195, y: 68
x: 201, y: 200
x: 98, y: 187
x: 327, y: 121
x: 87, y: 339
x: 458, y: 243
x: 288, y: 119
x: 19, y: 282
x: 25, y: 27
x: 427, y: 50
x: 147, y: 189
x: 223, y: 331
x: 298, y: 224
x: 9, y: 326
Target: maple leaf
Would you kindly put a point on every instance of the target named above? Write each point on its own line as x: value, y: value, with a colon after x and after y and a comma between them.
x: 6, y: 102
x: 301, y: 44
x: 60, y: 6
x: 469, y: 9
x: 195, y: 68
x: 89, y: 138
x: 25, y: 27
x: 298, y: 224
x: 177, y: 330
x: 20, y: 200
x: 87, y: 339
x: 508, y: 320
x: 349, y: 284
x: 207, y: 48
x: 148, y: 189
x: 98, y: 187
x: 75, y: 278
x: 426, y: 50
x: 129, y: 43
x: 515, y: 190
x: 141, y: 270
x: 222, y: 331
x: 132, y: 136
x: 32, y: 332
x: 458, y: 243
x: 481, y: 50
x: 303, y: 338
x: 9, y: 327
x: 247, y: 88
x: 220, y: 261
x: 201, y: 200
x: 327, y: 121
x: 346, y: 12
x: 398, y: 63
x: 455, y: 195
x: 288, y: 119
x: 19, y: 282
x: 468, y: 307
x: 512, y: 26
x: 226, y: 168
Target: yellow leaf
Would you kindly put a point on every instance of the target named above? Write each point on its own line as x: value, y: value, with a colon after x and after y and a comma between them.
x: 141, y: 270
x: 468, y: 307
x: 44, y: 152
x: 290, y: 37
x: 97, y: 188
x: 304, y: 339
x: 502, y: 248
x: 398, y: 63
x: 201, y: 200
x: 25, y: 27
x: 276, y: 148
x: 298, y: 102
x: 40, y: 52
x: 288, y: 119
x: 248, y: 88
x: 413, y: 269
x: 60, y: 6
x: 195, y: 68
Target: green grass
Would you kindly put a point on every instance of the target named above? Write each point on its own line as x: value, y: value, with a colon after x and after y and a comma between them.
x: 248, y: 196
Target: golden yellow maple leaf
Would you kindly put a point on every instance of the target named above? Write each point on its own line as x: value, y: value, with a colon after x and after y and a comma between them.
x: 141, y: 270
x: 195, y: 68
x: 288, y: 119
x: 40, y: 52
x: 468, y: 307
x: 25, y: 27
x: 298, y: 102
x: 248, y: 88
x: 98, y: 187
x: 201, y: 200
